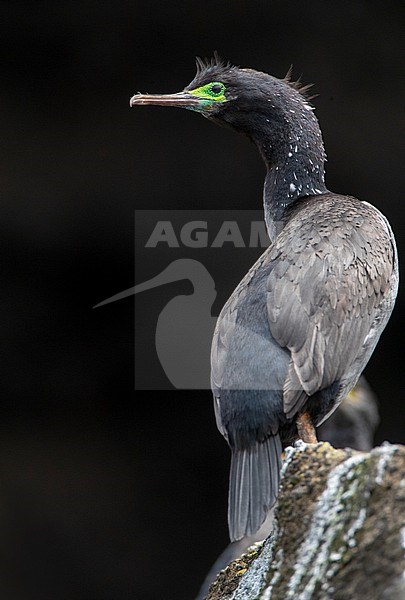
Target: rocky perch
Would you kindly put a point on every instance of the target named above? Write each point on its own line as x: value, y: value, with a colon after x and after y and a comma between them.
x: 339, y: 531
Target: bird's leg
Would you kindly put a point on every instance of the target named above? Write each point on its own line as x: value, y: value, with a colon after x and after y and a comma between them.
x: 306, y: 429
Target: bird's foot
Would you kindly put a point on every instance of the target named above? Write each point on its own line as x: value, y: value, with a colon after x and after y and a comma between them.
x: 306, y: 429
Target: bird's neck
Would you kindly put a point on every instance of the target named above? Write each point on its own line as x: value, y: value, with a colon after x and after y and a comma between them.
x: 292, y: 149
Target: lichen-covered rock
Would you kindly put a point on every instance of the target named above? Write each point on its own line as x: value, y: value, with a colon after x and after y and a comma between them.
x: 338, y: 532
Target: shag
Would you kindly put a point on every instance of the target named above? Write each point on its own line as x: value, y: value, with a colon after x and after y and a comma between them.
x: 297, y: 332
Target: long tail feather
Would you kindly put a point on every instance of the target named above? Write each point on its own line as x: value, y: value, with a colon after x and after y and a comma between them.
x: 253, y: 485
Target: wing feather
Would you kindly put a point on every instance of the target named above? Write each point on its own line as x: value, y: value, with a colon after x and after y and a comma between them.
x: 331, y: 266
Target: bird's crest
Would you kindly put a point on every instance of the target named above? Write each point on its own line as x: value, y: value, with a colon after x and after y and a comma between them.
x: 207, y: 63
x: 204, y: 64
x: 298, y: 85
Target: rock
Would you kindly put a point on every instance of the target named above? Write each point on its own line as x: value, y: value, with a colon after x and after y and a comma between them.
x: 339, y: 531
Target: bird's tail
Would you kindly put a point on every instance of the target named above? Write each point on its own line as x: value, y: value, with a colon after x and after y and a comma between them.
x: 253, y: 485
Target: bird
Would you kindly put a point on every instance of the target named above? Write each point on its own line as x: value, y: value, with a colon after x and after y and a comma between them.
x: 354, y: 423
x: 299, y: 329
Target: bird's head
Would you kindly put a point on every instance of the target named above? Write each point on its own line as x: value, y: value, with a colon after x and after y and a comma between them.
x: 243, y: 99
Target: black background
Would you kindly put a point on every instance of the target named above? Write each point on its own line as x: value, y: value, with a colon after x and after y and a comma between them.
x: 106, y: 494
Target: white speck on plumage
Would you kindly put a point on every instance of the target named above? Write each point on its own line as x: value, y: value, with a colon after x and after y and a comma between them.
x: 292, y: 187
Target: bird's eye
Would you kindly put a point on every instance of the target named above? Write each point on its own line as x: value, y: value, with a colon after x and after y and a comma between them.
x: 210, y: 94
x: 217, y: 89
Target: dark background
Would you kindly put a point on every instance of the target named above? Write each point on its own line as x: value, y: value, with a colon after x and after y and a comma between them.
x: 106, y: 494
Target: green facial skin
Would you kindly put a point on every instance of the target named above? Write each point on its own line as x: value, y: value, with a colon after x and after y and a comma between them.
x: 209, y: 94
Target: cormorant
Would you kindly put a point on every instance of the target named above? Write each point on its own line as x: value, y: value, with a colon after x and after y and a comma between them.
x: 297, y: 332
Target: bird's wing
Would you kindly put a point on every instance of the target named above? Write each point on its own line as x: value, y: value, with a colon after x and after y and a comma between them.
x: 331, y: 268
